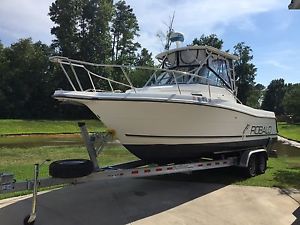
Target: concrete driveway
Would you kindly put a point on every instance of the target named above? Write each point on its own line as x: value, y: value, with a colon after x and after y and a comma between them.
x: 178, y: 199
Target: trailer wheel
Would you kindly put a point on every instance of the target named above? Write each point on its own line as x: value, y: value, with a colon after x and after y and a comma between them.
x: 250, y: 170
x: 71, y: 168
x: 261, y: 163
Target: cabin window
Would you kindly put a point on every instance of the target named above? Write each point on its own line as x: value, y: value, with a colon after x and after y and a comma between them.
x: 163, y: 79
x: 219, y: 66
x: 214, y: 74
x: 207, y: 76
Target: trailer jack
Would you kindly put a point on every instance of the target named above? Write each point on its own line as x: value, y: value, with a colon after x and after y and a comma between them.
x: 30, y: 219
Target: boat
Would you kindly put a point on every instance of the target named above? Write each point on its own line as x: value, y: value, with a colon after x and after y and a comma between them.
x: 188, y: 108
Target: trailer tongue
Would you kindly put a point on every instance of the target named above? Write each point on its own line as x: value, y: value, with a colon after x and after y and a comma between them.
x: 76, y: 171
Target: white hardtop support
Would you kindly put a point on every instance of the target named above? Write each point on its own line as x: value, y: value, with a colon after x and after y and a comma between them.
x: 207, y: 48
x: 195, y: 59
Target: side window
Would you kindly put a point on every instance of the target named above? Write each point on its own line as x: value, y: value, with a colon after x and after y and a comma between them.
x: 208, y: 77
x: 223, y: 71
x: 212, y: 78
x: 220, y: 67
x: 182, y: 79
x: 164, y: 78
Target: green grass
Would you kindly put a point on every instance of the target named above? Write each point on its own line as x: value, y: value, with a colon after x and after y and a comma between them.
x: 281, y: 172
x: 45, y: 126
x: 20, y: 161
x: 291, y: 131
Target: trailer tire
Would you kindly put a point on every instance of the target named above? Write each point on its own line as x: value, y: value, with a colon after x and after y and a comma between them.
x: 261, y: 164
x: 71, y: 168
x: 250, y: 170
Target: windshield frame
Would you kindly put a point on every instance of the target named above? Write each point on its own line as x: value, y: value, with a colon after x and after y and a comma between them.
x: 174, y: 75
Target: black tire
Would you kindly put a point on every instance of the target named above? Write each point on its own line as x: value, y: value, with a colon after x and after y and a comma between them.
x: 250, y: 170
x: 25, y: 221
x: 71, y: 168
x: 261, y: 164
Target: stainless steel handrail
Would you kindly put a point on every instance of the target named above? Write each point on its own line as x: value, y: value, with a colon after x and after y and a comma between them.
x: 64, y: 61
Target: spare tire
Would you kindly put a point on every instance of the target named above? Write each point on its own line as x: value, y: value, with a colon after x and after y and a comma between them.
x: 71, y: 168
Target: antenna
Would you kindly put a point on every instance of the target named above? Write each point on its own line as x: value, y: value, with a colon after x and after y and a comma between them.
x: 169, y: 32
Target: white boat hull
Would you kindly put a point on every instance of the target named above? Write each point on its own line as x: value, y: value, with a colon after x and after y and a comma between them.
x: 168, y: 131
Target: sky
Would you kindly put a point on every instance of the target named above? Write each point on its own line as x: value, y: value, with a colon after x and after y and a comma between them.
x: 267, y: 26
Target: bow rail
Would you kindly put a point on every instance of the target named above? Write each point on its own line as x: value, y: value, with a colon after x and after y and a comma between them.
x: 73, y: 64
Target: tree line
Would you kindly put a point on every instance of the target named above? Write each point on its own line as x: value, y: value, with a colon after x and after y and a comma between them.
x: 104, y: 32
x: 97, y: 31
x: 283, y: 99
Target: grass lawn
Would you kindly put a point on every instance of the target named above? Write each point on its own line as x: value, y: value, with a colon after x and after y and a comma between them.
x: 46, y: 126
x: 291, y: 131
x: 20, y: 161
x: 281, y: 172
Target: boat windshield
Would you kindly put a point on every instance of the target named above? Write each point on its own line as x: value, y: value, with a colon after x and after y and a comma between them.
x: 205, y: 75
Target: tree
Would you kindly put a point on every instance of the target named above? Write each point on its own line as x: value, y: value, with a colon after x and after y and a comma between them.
x: 65, y: 14
x: 28, y: 80
x: 3, y: 72
x: 82, y: 28
x: 94, y: 35
x: 274, y: 95
x: 210, y: 40
x: 140, y: 76
x: 25, y: 82
x: 291, y: 101
x: 124, y: 29
x: 245, y: 71
x: 144, y: 58
x: 1, y: 50
x: 82, y: 32
x: 255, y: 98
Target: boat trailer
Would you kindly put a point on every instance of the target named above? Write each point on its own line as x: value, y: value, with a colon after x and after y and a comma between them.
x: 78, y: 171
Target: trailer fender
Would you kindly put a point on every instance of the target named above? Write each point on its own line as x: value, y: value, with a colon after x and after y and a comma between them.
x: 244, y: 160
